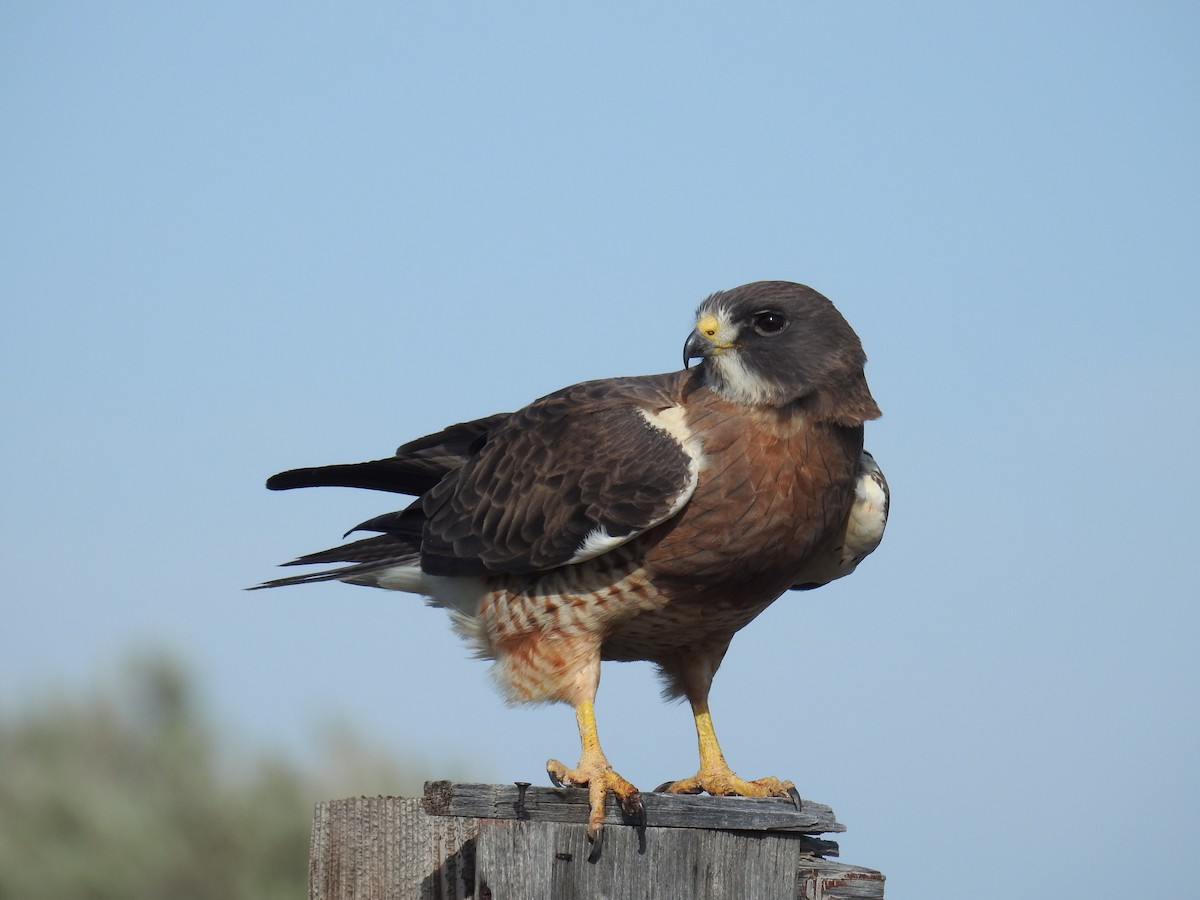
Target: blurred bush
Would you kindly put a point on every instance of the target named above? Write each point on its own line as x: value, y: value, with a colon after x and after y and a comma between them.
x: 126, y: 793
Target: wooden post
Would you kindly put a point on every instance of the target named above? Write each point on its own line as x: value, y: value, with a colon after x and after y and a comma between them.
x: 511, y: 842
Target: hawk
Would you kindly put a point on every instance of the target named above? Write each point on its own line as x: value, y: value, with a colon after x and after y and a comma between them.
x: 640, y: 518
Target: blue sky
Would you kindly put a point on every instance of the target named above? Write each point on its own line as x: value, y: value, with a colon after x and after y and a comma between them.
x: 242, y: 237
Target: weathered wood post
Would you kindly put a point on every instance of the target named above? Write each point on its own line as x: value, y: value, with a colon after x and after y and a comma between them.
x: 515, y: 842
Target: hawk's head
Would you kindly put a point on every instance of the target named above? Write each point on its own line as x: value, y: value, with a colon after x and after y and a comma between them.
x: 774, y: 343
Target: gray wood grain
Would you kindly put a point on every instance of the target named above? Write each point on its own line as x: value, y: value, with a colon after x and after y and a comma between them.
x: 391, y: 848
x: 570, y: 805
x: 387, y: 848
x: 820, y: 879
x: 534, y: 859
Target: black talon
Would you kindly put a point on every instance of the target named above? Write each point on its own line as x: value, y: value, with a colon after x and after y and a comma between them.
x: 662, y: 787
x: 796, y: 801
x: 634, y: 808
x: 597, y: 842
x: 554, y: 780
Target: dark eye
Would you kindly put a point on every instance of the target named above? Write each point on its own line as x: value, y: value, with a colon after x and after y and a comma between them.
x: 769, y: 322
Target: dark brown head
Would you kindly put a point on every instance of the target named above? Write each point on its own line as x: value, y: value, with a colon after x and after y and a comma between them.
x: 776, y: 343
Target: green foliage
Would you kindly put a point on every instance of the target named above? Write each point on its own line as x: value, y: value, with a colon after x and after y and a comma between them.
x: 124, y: 795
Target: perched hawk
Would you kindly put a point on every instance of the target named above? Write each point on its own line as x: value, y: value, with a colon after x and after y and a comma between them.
x: 637, y: 518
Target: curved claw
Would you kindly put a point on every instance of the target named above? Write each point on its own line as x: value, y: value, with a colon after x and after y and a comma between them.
x: 594, y: 773
x: 683, y: 786
x: 596, y: 839
x: 724, y: 783
x: 633, y: 807
x: 796, y: 801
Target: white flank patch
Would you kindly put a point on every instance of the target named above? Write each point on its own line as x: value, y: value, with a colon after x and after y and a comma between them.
x: 462, y: 595
x: 868, y: 515
x: 673, y: 420
x: 408, y: 578
x: 597, y: 542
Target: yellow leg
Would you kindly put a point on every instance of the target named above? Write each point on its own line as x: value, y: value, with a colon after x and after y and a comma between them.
x: 715, y: 776
x: 711, y: 757
x: 595, y: 772
x: 589, y: 735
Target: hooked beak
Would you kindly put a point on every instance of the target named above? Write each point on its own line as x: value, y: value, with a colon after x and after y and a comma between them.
x: 702, y: 342
x: 696, y: 347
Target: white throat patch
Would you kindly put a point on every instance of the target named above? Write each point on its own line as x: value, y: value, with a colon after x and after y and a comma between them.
x: 735, y: 383
x: 733, y: 380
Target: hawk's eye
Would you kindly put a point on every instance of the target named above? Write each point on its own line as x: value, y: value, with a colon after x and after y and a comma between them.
x: 769, y: 322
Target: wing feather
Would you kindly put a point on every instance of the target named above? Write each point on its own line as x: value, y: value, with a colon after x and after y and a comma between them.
x: 567, y: 478
x: 570, y: 476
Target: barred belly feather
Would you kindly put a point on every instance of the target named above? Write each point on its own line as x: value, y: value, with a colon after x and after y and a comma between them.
x: 542, y: 632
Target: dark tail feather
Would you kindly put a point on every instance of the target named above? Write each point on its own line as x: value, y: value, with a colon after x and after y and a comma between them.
x: 406, y: 524
x: 416, y: 467
x: 367, y: 556
x: 313, y: 577
x: 382, y: 549
x: 393, y: 475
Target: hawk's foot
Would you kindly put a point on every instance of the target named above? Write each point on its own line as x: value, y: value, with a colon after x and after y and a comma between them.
x: 724, y: 783
x: 598, y: 776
